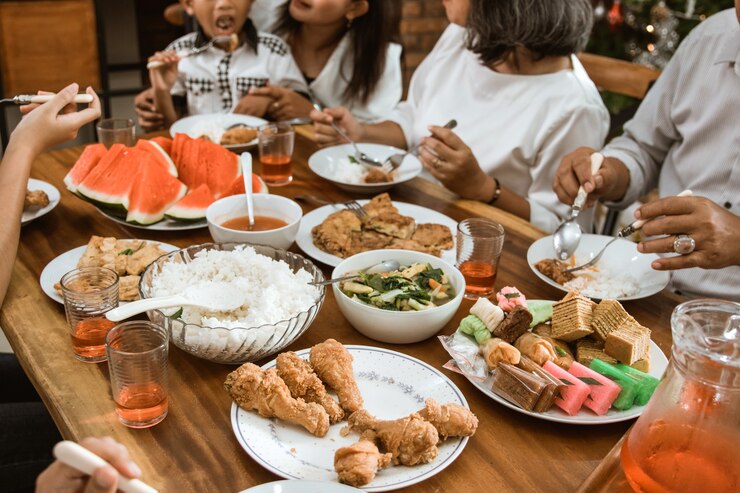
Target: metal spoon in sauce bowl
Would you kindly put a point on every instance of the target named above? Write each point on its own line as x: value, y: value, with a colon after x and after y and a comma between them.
x: 246, y: 159
x: 385, y: 266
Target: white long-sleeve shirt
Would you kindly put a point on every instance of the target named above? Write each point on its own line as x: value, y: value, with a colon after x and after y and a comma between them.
x: 686, y: 135
x: 518, y: 126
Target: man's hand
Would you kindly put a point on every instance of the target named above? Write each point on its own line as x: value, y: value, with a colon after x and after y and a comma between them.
x: 610, y: 183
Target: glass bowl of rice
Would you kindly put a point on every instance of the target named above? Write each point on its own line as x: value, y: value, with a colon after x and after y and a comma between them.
x: 277, y: 303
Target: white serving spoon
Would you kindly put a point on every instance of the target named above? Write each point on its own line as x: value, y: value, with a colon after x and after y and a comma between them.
x: 246, y: 159
x: 83, y: 460
x: 218, y: 298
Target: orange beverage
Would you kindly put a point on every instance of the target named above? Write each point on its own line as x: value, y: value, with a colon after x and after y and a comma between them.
x: 480, y: 277
x: 275, y: 142
x: 276, y: 169
x: 88, y: 337
x: 141, y: 405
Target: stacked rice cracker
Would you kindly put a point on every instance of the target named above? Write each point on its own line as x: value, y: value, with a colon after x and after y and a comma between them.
x: 605, y: 331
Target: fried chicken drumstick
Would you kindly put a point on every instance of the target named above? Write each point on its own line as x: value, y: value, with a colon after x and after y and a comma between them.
x: 358, y: 464
x: 333, y: 364
x: 410, y: 440
x: 304, y: 383
x: 265, y: 392
x: 450, y: 420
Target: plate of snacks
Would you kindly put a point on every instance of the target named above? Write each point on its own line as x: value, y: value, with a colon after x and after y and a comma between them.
x: 358, y: 437
x: 332, y: 233
x: 339, y: 165
x: 129, y: 258
x: 237, y: 133
x: 569, y: 361
x: 41, y: 198
x: 622, y: 274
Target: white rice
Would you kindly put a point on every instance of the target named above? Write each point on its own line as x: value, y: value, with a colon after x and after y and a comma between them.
x: 211, y: 129
x: 604, y: 285
x: 346, y: 171
x: 270, y: 291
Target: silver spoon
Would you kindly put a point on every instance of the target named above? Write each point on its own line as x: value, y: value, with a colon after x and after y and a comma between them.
x: 216, y: 40
x: 385, y: 266
x: 566, y: 238
x: 397, y: 159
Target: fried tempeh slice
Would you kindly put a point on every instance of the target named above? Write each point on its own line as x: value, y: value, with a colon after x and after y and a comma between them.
x: 433, y: 235
x: 334, y: 235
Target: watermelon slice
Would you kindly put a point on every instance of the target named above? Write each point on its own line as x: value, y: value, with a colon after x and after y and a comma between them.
x: 164, y: 143
x: 193, y: 206
x: 159, y: 154
x: 200, y: 161
x: 572, y: 396
x: 153, y: 192
x: 89, y: 158
x: 108, y: 184
x: 237, y: 186
x: 603, y: 393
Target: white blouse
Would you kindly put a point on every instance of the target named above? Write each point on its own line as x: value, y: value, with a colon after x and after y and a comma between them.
x: 519, y: 127
x: 214, y: 81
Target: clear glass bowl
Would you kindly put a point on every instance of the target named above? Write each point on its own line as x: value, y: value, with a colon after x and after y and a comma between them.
x: 233, y: 345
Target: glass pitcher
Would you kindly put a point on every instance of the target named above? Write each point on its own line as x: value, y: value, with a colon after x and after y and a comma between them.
x: 688, y: 437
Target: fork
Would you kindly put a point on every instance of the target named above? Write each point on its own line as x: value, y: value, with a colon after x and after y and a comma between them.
x: 214, y: 40
x: 351, y: 205
x: 395, y: 160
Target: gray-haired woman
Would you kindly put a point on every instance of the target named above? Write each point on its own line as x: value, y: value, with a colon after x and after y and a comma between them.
x: 505, y: 70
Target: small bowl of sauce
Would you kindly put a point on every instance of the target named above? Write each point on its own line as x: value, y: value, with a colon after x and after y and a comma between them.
x: 276, y: 220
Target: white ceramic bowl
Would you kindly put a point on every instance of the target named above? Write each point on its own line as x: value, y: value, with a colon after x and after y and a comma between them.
x: 326, y: 162
x: 621, y: 258
x: 264, y: 205
x: 390, y: 326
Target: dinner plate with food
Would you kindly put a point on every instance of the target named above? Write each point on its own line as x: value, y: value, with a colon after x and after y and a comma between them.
x: 569, y: 361
x: 41, y: 198
x: 237, y: 133
x: 287, y: 418
x: 622, y: 274
x: 331, y: 233
x: 129, y: 258
x: 339, y: 165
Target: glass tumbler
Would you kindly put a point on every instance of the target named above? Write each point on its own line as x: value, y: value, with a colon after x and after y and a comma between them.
x: 137, y: 360
x: 275, y: 142
x: 116, y: 131
x: 88, y: 293
x: 479, y: 245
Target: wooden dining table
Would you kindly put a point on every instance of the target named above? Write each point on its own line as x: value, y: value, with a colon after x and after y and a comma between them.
x: 194, y: 449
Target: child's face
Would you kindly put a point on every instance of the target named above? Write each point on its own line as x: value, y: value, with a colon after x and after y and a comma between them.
x: 219, y: 17
x: 326, y: 11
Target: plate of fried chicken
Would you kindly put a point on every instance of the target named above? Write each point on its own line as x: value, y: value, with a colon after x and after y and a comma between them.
x: 41, y: 198
x: 331, y: 233
x: 365, y: 416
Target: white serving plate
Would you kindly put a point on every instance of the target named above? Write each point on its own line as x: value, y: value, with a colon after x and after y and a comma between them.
x: 189, y: 125
x: 621, y: 257
x: 384, y: 377
x: 54, y: 198
x: 420, y: 214
x: 301, y: 486
x: 326, y: 161
x: 66, y: 262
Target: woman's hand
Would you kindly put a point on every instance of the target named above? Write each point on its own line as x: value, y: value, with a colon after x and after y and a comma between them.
x: 48, y: 124
x: 286, y: 104
x: 452, y: 162
x: 252, y: 105
x: 610, y: 183
x: 164, y: 76
x: 325, y: 133
x: 150, y: 119
x: 715, y: 230
x: 61, y: 478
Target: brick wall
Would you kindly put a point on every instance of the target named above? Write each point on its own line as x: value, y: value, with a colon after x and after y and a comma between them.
x: 423, y: 22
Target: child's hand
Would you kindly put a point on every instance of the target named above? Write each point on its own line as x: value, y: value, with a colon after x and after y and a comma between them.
x: 286, y: 104
x: 150, y: 118
x: 54, y: 122
x: 164, y: 76
x: 252, y: 105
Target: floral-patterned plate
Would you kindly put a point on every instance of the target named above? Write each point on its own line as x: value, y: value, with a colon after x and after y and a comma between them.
x: 392, y: 384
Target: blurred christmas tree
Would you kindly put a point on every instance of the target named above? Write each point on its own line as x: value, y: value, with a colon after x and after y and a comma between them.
x: 645, y: 31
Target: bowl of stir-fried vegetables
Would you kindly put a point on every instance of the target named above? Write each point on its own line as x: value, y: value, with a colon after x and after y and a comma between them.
x: 407, y: 305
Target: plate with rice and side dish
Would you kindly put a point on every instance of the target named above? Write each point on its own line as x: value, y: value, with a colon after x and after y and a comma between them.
x: 622, y: 274
x: 237, y: 133
x: 339, y: 165
x: 129, y: 258
x: 332, y: 232
x: 41, y: 198
x: 369, y: 417
x: 570, y: 361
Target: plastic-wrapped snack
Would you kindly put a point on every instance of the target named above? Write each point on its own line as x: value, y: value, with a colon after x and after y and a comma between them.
x: 518, y: 386
x: 464, y: 351
x: 496, y: 351
x: 550, y: 392
x: 536, y: 347
x: 489, y: 313
x: 474, y: 326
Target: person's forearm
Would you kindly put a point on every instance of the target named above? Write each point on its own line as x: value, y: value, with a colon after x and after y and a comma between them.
x: 15, y: 169
x: 163, y: 102
x: 621, y: 180
x: 507, y: 200
x: 388, y: 133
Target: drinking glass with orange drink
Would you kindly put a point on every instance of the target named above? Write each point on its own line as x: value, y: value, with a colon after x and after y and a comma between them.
x: 88, y: 293
x: 479, y: 245
x: 276, y: 142
x: 137, y: 360
x: 688, y: 437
